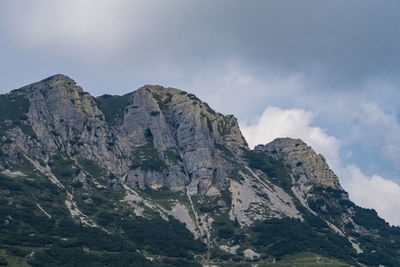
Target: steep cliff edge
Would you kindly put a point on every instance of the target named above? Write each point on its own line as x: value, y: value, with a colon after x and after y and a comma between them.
x: 157, y: 177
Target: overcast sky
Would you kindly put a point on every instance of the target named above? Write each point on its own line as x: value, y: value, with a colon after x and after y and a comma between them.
x: 325, y: 71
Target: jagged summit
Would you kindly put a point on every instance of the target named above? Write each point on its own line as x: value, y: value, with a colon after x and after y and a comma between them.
x: 58, y: 77
x: 306, y: 165
x: 175, y: 121
x: 54, y: 82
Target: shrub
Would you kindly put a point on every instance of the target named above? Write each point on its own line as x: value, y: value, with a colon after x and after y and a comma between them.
x: 147, y: 158
x: 225, y: 233
x: 113, y: 107
x: 92, y: 167
x: 274, y: 169
x: 63, y: 167
x: 13, y: 107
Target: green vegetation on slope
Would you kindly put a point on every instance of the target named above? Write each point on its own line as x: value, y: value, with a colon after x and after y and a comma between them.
x: 299, y: 260
x: 92, y: 167
x: 29, y: 236
x: 63, y: 167
x: 274, y: 169
x: 113, y: 107
x: 172, y: 156
x: 162, y: 103
x: 147, y: 158
x: 280, y: 237
x: 380, y: 242
x: 13, y: 107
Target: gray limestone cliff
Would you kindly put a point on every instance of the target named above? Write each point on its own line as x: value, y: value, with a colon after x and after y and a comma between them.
x: 163, y: 138
x: 306, y: 166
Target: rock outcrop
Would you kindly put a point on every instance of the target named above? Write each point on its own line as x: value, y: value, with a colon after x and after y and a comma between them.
x: 306, y: 166
x: 187, y: 134
x: 183, y: 141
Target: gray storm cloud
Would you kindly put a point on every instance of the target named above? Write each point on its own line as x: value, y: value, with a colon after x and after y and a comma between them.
x: 340, y: 41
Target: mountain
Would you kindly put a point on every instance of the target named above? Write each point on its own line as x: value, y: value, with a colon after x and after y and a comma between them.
x: 156, y: 177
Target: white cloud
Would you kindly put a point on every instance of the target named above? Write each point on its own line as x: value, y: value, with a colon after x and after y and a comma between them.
x: 378, y: 130
x: 374, y: 192
x: 234, y: 88
x: 294, y: 123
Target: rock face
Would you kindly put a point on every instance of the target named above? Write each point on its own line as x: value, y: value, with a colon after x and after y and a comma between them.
x: 159, y: 162
x: 305, y: 165
x: 181, y: 138
x: 186, y: 133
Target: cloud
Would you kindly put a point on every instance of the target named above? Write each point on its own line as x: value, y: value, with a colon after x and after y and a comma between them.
x: 295, y: 123
x: 374, y: 192
x: 291, y: 37
x: 378, y: 131
x: 235, y: 89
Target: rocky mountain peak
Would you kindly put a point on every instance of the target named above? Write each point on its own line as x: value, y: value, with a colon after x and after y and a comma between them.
x: 178, y: 112
x: 62, y: 94
x: 175, y: 177
x: 178, y: 122
x: 187, y: 144
x: 305, y: 164
x: 58, y: 78
x: 58, y: 83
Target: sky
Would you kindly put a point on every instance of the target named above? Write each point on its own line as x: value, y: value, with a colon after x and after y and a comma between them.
x: 323, y: 71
